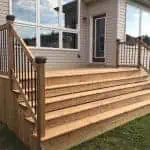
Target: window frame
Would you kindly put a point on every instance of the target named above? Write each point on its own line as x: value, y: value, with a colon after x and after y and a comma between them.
x: 142, y: 9
x: 60, y: 29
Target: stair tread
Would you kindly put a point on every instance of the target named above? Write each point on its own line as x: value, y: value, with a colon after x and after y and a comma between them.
x: 82, y: 107
x: 86, y: 93
x: 76, y: 72
x: 94, y: 82
x: 87, y: 106
x: 75, y: 125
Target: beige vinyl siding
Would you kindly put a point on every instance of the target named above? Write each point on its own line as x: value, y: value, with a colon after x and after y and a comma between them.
x: 60, y: 58
x: 4, y: 9
x: 122, y: 19
x: 109, y: 7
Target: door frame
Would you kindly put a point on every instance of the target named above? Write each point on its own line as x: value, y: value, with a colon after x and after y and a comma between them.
x: 91, y: 37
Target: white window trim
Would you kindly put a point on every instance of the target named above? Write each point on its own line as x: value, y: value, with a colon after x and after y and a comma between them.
x: 60, y: 29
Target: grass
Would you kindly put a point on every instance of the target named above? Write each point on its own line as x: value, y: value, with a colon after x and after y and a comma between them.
x: 8, y: 141
x: 133, y: 136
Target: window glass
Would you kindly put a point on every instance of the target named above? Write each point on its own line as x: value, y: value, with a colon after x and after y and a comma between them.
x: 28, y: 34
x: 49, y: 38
x: 132, y: 23
x: 47, y: 22
x: 146, y: 27
x: 70, y: 40
x: 69, y: 15
x: 49, y: 12
x: 24, y: 10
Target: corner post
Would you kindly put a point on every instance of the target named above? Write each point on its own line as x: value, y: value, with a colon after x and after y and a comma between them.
x: 117, y: 52
x: 10, y: 21
x: 139, y: 53
x: 40, y: 61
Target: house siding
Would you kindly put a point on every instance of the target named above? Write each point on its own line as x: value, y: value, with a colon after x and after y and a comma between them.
x: 122, y: 19
x: 109, y: 7
x: 4, y: 10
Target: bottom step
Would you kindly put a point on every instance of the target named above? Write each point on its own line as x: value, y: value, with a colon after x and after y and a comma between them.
x: 91, y: 127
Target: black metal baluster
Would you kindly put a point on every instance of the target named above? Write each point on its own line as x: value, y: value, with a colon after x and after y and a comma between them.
x: 0, y: 52
x: 35, y: 86
x: 32, y: 90
x: 28, y: 79
x: 15, y: 46
x: 22, y: 56
x: 146, y: 58
x: 25, y: 75
x: 129, y: 53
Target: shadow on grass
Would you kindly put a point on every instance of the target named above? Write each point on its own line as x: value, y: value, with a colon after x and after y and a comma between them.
x: 133, y: 136
x: 8, y: 141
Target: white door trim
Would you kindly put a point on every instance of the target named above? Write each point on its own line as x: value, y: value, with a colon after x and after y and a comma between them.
x: 91, y: 39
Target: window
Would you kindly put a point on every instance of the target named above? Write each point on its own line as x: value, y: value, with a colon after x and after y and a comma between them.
x: 28, y: 34
x: 24, y: 10
x: 49, y: 12
x: 132, y: 23
x: 48, y: 23
x: 145, y: 31
x: 70, y: 40
x: 137, y: 23
x: 69, y: 17
x: 49, y: 38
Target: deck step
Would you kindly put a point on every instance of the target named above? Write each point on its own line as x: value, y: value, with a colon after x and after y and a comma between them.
x: 84, y: 129
x: 60, y: 102
x: 67, y: 115
x: 58, y: 90
x: 81, y: 75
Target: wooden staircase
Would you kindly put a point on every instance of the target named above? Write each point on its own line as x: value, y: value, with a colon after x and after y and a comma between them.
x: 60, y: 109
x: 83, y: 103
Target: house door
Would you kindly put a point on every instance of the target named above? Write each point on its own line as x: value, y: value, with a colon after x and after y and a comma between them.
x: 99, y: 38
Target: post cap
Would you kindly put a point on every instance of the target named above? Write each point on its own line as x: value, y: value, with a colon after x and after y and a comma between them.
x: 40, y: 60
x: 118, y: 40
x: 10, y: 18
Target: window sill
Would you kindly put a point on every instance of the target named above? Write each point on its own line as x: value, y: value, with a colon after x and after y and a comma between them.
x: 57, y: 49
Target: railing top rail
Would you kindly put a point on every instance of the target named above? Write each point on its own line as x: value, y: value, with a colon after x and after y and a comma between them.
x: 144, y: 44
x: 26, y: 49
x: 137, y: 41
x: 128, y: 43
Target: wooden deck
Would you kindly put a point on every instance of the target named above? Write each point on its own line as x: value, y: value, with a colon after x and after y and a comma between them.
x: 80, y: 104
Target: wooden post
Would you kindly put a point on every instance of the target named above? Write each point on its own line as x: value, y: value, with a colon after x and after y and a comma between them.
x: 117, y: 52
x: 40, y: 96
x: 139, y: 53
x: 10, y: 20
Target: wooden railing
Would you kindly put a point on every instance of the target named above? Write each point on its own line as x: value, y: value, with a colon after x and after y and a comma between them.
x: 136, y: 53
x: 3, y: 49
x: 27, y: 74
x: 127, y: 53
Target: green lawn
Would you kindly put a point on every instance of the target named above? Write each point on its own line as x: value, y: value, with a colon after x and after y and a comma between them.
x: 8, y: 140
x: 133, y: 136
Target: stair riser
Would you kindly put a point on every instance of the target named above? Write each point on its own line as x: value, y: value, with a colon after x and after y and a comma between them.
x: 81, y: 135
x: 92, y: 98
x: 87, y: 78
x: 88, y: 87
x: 95, y: 110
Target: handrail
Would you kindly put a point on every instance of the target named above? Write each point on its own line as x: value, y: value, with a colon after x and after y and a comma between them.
x: 26, y: 49
x: 27, y: 72
x: 136, y: 54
